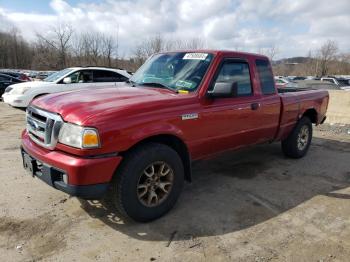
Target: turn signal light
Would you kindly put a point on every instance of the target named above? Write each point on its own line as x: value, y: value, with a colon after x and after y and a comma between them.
x: 90, y: 139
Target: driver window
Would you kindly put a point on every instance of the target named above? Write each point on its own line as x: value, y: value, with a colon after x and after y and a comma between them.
x: 74, y: 77
x: 236, y: 72
x: 81, y: 76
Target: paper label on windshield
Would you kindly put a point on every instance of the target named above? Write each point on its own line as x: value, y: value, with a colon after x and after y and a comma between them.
x: 184, y: 84
x: 195, y: 56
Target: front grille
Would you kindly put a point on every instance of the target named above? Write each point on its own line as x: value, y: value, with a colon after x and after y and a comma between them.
x: 43, y: 127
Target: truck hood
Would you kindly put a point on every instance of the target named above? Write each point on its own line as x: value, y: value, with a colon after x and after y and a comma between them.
x: 85, y: 107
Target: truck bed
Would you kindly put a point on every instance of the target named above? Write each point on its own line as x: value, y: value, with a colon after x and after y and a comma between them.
x: 295, y: 102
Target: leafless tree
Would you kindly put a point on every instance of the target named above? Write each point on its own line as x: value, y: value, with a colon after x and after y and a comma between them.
x: 326, y: 54
x: 183, y: 44
x: 94, y: 45
x: 77, y: 49
x: 270, y: 52
x: 59, y: 40
x: 45, y: 56
x: 148, y: 47
x: 158, y: 44
x: 343, y: 67
x: 14, y: 51
x: 108, y: 49
x: 62, y: 47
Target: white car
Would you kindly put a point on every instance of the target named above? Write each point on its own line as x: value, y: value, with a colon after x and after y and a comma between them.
x: 20, y: 95
x: 284, y: 82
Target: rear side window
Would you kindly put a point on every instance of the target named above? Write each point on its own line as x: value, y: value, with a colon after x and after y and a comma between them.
x: 236, y: 72
x: 265, y: 76
x: 108, y: 76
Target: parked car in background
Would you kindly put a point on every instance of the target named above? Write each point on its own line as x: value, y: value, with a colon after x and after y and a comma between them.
x: 41, y: 76
x: 20, y: 95
x: 6, y: 80
x: 298, y: 78
x: 290, y: 78
x: 340, y: 83
x: 284, y: 82
x: 310, y: 78
x: 32, y: 74
x: 17, y: 75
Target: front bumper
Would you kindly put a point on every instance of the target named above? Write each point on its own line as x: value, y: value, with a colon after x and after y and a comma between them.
x: 87, y: 178
x: 15, y: 100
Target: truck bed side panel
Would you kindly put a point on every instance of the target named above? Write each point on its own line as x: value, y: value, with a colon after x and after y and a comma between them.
x: 288, y: 116
x: 294, y: 106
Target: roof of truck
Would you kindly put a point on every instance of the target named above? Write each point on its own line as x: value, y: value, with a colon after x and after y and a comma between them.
x: 219, y: 52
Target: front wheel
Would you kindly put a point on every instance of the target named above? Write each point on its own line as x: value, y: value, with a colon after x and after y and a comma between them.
x: 148, y: 183
x: 298, y: 142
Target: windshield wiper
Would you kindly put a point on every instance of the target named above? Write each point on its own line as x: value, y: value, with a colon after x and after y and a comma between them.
x: 158, y: 85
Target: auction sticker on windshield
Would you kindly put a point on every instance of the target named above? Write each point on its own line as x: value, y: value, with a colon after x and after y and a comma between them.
x: 184, y: 84
x: 196, y: 56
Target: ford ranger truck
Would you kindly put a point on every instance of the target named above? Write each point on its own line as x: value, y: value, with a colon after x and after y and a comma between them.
x: 135, y: 144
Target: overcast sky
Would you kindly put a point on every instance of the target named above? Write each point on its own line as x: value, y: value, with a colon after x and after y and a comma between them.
x: 293, y: 26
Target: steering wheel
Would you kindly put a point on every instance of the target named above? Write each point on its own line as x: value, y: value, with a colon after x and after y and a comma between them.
x: 195, y: 79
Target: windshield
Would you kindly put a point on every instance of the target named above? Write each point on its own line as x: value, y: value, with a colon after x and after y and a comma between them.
x: 176, y: 71
x: 57, y: 75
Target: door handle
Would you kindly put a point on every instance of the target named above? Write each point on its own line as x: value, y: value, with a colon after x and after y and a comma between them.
x: 255, y: 106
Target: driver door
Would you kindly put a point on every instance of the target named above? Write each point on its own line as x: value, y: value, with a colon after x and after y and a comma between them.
x: 233, y: 119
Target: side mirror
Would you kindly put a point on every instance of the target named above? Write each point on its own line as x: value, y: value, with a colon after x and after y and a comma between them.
x: 67, y: 80
x: 224, y: 90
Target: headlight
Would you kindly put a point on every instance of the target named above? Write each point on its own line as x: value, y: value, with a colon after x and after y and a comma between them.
x: 78, y: 136
x: 20, y: 90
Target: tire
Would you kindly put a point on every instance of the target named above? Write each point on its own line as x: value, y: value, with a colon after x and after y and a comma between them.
x: 298, y: 142
x: 131, y: 189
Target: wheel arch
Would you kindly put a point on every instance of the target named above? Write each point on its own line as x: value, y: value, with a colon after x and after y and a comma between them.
x: 312, y: 114
x: 173, y: 142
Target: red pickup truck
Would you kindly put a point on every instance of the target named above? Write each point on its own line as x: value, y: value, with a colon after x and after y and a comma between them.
x: 135, y: 143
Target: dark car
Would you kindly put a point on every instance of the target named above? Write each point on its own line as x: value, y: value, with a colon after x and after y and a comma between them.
x: 6, y: 80
x: 343, y: 81
x: 42, y: 75
x: 299, y: 78
x: 17, y: 75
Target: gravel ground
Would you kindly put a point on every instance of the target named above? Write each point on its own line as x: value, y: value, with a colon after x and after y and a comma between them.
x: 250, y: 205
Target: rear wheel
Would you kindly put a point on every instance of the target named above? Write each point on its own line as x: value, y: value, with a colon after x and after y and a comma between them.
x: 148, y: 182
x: 298, y: 142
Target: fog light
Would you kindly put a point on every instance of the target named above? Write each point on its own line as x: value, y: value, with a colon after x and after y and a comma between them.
x: 65, y: 178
